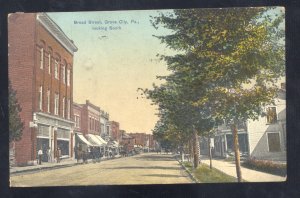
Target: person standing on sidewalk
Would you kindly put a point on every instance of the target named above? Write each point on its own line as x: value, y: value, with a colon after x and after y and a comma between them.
x: 58, y: 153
x: 49, y: 155
x: 40, y: 154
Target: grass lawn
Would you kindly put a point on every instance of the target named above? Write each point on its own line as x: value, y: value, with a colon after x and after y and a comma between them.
x: 206, y: 175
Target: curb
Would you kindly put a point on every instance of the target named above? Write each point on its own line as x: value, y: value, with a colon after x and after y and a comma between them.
x: 188, y: 172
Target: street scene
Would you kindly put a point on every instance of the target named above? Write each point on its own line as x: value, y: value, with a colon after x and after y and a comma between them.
x: 147, y: 97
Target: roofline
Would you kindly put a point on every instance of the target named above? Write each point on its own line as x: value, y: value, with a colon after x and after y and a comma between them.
x: 56, y: 32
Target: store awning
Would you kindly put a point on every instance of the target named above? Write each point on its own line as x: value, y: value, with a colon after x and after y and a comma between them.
x: 101, y: 140
x: 116, y: 143
x: 94, y: 140
x: 83, y: 140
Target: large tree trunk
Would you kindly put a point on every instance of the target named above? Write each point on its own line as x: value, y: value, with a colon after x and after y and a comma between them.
x: 196, y: 149
x: 236, y: 151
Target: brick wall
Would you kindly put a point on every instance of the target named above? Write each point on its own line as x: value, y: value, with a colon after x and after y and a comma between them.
x: 21, y: 40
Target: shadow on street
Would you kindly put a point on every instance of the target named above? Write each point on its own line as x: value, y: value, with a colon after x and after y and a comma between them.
x: 163, y: 175
x: 148, y: 167
x: 156, y: 158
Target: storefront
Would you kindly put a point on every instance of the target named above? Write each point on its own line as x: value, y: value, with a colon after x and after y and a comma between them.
x: 53, y: 133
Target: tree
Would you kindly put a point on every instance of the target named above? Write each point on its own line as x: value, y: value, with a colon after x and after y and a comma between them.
x: 16, y: 126
x: 228, y: 60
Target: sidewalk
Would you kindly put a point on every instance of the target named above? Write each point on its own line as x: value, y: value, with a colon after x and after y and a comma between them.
x: 53, y: 165
x: 247, y: 174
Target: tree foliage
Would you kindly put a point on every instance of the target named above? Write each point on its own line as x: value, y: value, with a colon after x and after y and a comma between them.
x: 16, y: 126
x: 227, y: 65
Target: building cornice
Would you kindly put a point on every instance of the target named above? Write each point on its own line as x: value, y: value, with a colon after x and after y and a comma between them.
x: 56, y: 32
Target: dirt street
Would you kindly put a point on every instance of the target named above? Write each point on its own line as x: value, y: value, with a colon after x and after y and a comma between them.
x: 148, y: 168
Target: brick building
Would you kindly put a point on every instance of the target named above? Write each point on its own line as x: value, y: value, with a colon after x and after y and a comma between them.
x: 115, y: 130
x: 41, y: 71
x: 104, y: 125
x: 90, y: 122
x: 143, y: 139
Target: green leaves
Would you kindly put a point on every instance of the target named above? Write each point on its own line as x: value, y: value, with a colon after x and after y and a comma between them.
x: 16, y: 126
x: 240, y: 49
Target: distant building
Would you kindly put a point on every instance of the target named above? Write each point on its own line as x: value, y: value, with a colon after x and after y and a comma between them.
x: 90, y: 118
x: 144, y: 140
x: 105, y: 131
x: 115, y: 130
x: 41, y: 71
x: 126, y: 141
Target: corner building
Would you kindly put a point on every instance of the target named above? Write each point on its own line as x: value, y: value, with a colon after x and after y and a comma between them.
x: 41, y: 71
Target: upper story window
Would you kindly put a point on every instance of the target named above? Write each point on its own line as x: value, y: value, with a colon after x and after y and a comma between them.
x: 68, y: 77
x: 56, y: 103
x: 56, y: 69
x: 63, y: 107
x: 49, y: 63
x: 271, y: 115
x: 77, y: 121
x: 41, y: 98
x: 42, y: 58
x: 69, y: 109
x: 90, y: 123
x: 63, y: 74
x: 48, y: 101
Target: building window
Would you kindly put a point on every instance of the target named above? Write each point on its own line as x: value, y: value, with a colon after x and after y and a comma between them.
x: 68, y: 77
x: 274, y: 142
x: 90, y: 123
x: 69, y: 109
x: 41, y: 98
x: 63, y: 74
x: 48, y: 101
x: 77, y: 121
x: 49, y: 63
x: 63, y: 107
x: 56, y: 102
x: 271, y: 115
x: 42, y: 59
x: 56, y: 69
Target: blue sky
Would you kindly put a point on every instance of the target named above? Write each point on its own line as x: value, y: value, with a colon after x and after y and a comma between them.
x: 110, y: 65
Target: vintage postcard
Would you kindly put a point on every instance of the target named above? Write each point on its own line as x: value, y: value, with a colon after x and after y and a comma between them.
x: 147, y: 97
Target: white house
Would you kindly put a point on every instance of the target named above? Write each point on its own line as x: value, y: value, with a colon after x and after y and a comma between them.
x: 267, y: 135
x: 264, y: 138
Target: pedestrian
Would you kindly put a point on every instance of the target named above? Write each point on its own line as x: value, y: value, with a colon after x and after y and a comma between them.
x: 58, y: 153
x: 40, y: 154
x: 76, y: 153
x: 49, y: 155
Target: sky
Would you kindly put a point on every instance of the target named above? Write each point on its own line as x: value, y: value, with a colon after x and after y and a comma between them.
x: 116, y: 56
x: 112, y: 63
